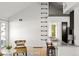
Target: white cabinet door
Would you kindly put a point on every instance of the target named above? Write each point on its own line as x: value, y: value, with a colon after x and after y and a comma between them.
x: 77, y: 51
x: 66, y: 51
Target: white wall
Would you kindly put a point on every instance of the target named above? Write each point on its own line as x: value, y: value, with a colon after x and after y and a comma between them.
x: 76, y: 25
x: 59, y: 21
x: 29, y: 28
x: 76, y: 29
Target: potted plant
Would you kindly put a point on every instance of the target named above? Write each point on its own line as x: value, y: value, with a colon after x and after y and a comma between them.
x: 8, y: 47
x: 1, y: 54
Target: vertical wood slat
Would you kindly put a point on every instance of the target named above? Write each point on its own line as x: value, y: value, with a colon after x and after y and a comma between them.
x: 44, y: 16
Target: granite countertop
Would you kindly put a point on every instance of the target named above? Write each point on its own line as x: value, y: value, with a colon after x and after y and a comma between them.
x: 63, y: 44
x: 67, y: 45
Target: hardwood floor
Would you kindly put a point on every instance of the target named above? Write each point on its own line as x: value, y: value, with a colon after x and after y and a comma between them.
x: 36, y: 51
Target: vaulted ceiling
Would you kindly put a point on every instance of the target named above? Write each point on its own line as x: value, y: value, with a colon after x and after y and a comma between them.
x: 10, y: 8
x: 69, y: 6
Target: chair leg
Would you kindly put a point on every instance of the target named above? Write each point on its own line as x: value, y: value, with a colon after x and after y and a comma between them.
x: 17, y: 54
x: 13, y: 54
x: 23, y: 53
x: 26, y: 53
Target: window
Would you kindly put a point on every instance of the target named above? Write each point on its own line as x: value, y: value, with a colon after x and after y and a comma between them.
x: 3, y: 28
x: 53, y: 30
x: 3, y: 33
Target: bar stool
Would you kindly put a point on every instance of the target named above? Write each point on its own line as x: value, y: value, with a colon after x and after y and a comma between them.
x: 50, y: 49
x: 20, y: 48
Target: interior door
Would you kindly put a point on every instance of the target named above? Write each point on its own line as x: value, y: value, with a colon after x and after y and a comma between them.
x: 64, y: 32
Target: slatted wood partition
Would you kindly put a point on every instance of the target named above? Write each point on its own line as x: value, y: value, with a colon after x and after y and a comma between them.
x: 44, y: 20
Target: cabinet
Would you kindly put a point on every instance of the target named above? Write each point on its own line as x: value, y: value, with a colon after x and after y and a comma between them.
x: 66, y: 51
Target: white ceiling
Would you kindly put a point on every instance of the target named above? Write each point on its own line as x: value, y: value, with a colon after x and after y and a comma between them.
x: 69, y: 6
x: 8, y: 9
